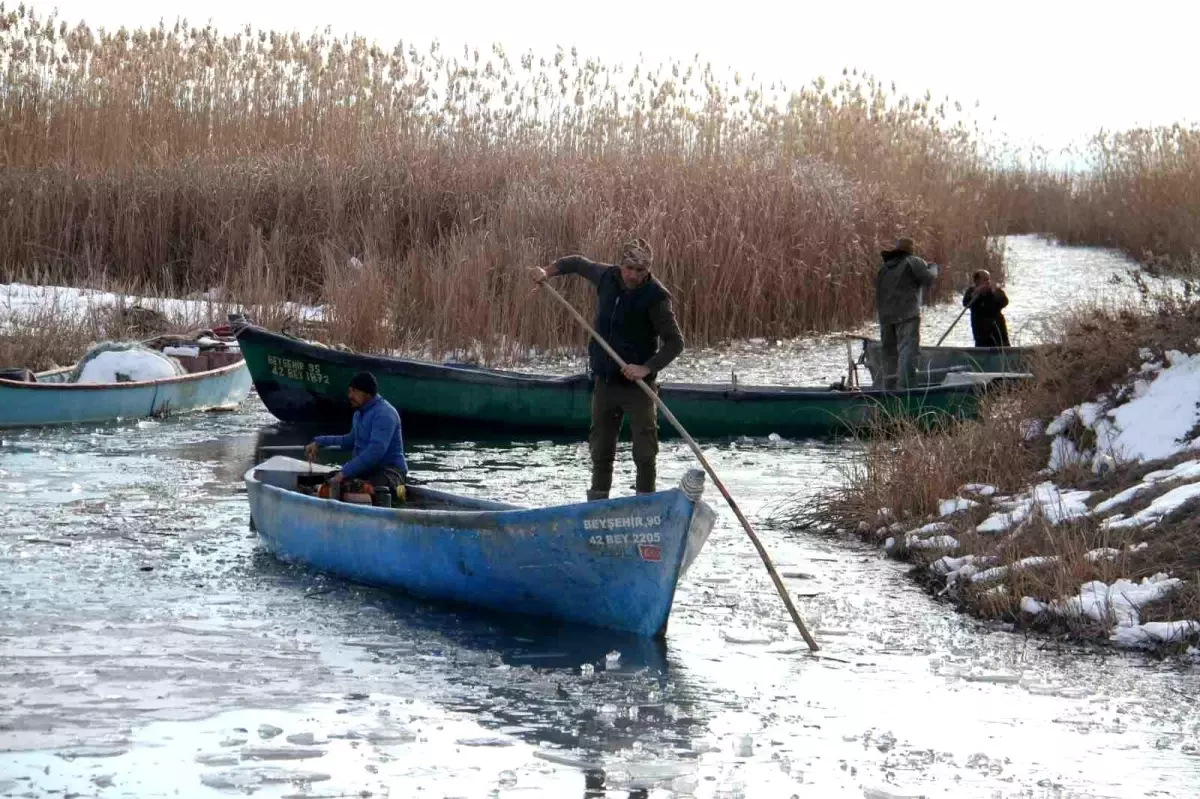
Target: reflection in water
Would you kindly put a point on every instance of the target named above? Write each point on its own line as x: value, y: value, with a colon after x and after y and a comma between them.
x: 148, y: 645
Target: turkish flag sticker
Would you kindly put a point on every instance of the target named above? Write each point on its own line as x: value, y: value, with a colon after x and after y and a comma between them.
x: 650, y: 552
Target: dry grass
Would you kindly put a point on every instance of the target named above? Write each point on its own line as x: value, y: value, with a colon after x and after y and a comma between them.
x: 184, y: 158
x: 1141, y: 194
x: 909, y: 472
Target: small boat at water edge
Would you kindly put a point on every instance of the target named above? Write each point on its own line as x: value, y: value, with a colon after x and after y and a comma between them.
x: 940, y: 360
x: 215, y: 377
x: 305, y: 383
x: 612, y: 564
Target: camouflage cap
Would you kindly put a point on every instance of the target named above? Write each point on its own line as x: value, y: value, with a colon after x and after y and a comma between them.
x: 636, y: 252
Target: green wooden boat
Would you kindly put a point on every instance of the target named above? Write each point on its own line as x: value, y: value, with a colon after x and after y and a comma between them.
x: 305, y: 383
x: 937, y: 361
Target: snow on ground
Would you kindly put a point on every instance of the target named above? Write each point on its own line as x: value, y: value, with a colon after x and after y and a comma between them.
x: 935, y: 542
x: 1153, y: 419
x: 1053, y: 504
x: 949, y: 507
x: 979, y: 489
x: 999, y: 572
x: 19, y: 300
x: 1118, y: 606
x: 1156, y: 510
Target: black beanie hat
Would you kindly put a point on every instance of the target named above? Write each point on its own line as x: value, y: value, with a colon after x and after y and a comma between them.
x: 365, y: 382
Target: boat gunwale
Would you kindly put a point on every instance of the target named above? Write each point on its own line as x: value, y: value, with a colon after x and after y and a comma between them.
x: 162, y: 381
x: 438, y: 518
x: 1020, y: 349
x: 507, y: 379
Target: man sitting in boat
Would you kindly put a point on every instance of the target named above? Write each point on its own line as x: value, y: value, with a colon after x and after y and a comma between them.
x: 898, y: 288
x: 375, y: 438
x: 633, y: 313
x: 987, y: 303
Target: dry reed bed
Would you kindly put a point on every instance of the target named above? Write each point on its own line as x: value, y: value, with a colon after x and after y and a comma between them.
x: 909, y: 472
x: 1141, y: 195
x: 180, y: 158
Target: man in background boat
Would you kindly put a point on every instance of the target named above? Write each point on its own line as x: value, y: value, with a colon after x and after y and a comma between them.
x: 633, y: 314
x: 899, y: 285
x: 375, y: 437
x: 987, y: 303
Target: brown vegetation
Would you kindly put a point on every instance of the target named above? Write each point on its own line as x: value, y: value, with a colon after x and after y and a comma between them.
x: 176, y: 157
x: 909, y: 471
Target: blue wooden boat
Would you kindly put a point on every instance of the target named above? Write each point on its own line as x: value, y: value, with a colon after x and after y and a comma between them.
x: 214, y: 380
x: 611, y: 564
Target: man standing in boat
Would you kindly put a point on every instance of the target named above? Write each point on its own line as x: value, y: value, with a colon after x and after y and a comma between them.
x: 375, y: 437
x: 987, y: 303
x: 899, y: 285
x: 633, y: 314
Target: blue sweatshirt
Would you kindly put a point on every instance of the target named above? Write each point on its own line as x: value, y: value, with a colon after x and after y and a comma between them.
x: 375, y: 437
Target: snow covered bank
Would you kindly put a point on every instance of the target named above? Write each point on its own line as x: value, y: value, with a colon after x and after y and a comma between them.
x: 20, y: 300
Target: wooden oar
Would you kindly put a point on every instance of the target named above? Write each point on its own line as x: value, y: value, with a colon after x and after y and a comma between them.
x: 966, y: 308
x: 762, y: 552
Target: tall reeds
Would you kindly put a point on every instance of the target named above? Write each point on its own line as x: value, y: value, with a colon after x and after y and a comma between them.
x: 181, y: 157
x: 1141, y: 195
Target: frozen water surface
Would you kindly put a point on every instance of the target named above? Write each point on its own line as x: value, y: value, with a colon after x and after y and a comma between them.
x: 148, y: 647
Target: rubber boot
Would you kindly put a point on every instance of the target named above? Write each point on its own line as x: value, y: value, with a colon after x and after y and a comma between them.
x: 593, y: 496
x: 647, y: 476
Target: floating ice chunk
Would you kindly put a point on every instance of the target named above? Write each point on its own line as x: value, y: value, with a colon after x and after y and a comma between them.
x: 564, y: 760
x: 747, y: 636
x: 217, y: 759
x: 280, y: 753
x: 92, y: 751
x: 268, y: 731
x: 587, y: 671
x: 302, y: 739
x: 948, y: 507
x: 507, y: 778
x: 494, y: 742
x: 1005, y: 677
x: 743, y: 746
x: 395, y: 735
x: 877, y: 793
x: 248, y: 779
x: 612, y: 660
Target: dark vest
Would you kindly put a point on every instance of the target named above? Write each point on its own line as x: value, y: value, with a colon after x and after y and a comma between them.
x: 623, y: 320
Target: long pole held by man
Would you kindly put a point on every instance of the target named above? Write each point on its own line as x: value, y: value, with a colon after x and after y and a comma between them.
x: 624, y: 312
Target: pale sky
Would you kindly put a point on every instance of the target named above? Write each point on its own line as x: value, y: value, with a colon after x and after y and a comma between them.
x: 1050, y: 71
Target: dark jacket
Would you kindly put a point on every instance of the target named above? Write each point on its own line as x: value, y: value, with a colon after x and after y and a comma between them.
x: 987, y: 320
x: 631, y: 321
x: 375, y: 437
x: 898, y: 285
